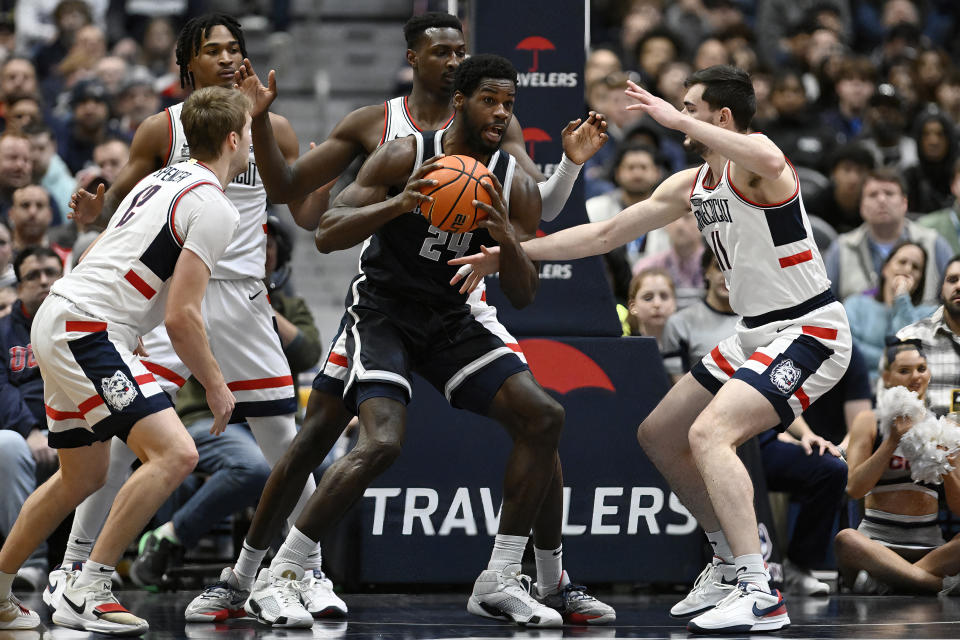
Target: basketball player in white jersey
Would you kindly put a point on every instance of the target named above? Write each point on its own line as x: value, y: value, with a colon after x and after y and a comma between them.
x: 150, y: 265
x: 792, y: 345
x: 239, y: 318
x: 435, y: 49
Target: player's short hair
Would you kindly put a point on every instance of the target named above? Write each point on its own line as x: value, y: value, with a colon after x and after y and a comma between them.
x: 192, y: 35
x: 485, y: 65
x: 417, y: 26
x: 727, y: 86
x: 887, y: 174
x: 208, y: 117
x: 39, y: 252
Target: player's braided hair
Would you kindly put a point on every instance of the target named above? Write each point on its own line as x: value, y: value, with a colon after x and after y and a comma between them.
x: 485, y: 65
x: 417, y: 25
x: 192, y: 35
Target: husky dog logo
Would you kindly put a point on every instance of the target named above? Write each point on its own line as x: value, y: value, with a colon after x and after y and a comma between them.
x: 185, y: 150
x: 785, y: 376
x: 118, y: 390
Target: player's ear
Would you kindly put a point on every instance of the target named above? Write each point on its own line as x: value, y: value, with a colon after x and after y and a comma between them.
x: 458, y: 99
x: 412, y: 58
x: 726, y: 117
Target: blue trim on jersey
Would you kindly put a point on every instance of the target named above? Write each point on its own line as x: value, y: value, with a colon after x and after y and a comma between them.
x: 785, y: 223
x: 702, y: 375
x: 790, y: 313
x: 162, y: 255
x: 262, y: 408
x: 328, y: 384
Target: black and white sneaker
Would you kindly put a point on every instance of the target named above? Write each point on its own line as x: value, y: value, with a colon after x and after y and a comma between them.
x: 95, y: 608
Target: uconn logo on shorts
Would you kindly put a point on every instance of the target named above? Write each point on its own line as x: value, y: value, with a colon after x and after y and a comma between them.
x: 118, y: 391
x: 785, y: 376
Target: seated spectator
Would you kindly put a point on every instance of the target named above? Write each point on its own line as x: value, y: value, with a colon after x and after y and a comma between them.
x: 236, y: 467
x: 636, y: 172
x: 896, y: 303
x: 948, y: 95
x: 815, y: 481
x: 651, y: 300
x: 25, y: 457
x: 68, y: 17
x: 928, y: 183
x: 30, y: 217
x: 898, y: 545
x: 136, y: 101
x: 18, y: 79
x: 607, y: 96
x: 600, y: 63
x: 946, y: 221
x: 49, y: 169
x: 23, y: 112
x: 854, y: 261
x: 16, y: 168
x: 796, y: 129
x: 885, y: 132
x: 7, y: 276
x: 855, y: 82
x: 87, y: 125
x: 839, y: 203
x: 681, y: 260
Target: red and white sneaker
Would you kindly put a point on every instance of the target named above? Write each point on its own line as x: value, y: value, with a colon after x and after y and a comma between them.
x: 746, y: 609
x: 14, y: 615
x: 95, y: 608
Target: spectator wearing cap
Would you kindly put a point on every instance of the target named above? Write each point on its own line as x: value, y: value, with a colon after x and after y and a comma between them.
x: 855, y: 82
x: 16, y: 168
x: 839, y: 203
x: 86, y: 126
x: 855, y: 260
x: 137, y: 100
x: 49, y: 169
x: 928, y: 183
x: 884, y: 135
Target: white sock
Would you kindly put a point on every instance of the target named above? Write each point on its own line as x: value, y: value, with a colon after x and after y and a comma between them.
x: 6, y: 582
x: 314, y: 560
x: 751, y: 568
x: 78, y: 549
x: 293, y: 553
x: 507, y: 550
x: 91, y: 571
x: 247, y: 565
x: 721, y: 548
x: 549, y: 569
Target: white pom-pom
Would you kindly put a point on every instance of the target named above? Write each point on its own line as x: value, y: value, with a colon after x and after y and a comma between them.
x: 895, y: 402
x: 927, y: 445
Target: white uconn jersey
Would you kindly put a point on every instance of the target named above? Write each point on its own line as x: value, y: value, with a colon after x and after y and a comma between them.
x: 397, y: 121
x: 124, y: 277
x: 766, y: 252
x: 247, y: 254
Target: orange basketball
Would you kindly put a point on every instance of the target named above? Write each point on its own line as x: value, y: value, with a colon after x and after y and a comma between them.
x: 458, y: 185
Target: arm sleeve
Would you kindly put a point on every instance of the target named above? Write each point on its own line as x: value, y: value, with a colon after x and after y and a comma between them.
x: 201, y: 218
x: 555, y: 191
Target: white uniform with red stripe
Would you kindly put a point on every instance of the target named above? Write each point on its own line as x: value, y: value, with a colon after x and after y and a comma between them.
x: 239, y: 318
x: 398, y: 122
x: 87, y: 329
x: 793, y: 342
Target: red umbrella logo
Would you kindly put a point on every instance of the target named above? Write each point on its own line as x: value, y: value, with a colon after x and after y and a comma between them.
x: 533, y: 135
x: 535, y: 44
x: 563, y: 368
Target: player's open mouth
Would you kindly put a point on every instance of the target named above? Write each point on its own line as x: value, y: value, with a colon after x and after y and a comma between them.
x: 493, y: 133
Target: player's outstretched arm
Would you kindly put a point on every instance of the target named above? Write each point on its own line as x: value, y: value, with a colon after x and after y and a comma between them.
x: 184, y: 323
x: 667, y: 203
x: 363, y: 207
x: 146, y: 155
x: 285, y: 181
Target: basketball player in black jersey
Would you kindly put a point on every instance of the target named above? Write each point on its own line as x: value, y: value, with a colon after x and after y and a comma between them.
x: 396, y: 298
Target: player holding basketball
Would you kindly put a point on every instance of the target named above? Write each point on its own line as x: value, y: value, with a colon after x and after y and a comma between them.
x: 239, y: 318
x: 792, y: 345
x: 151, y: 265
x: 436, y: 48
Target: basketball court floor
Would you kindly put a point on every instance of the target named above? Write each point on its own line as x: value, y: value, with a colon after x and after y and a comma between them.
x: 441, y: 617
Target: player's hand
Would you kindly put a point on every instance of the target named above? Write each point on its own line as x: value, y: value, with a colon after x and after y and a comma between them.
x: 221, y: 403
x: 902, y: 285
x: 411, y: 197
x: 141, y: 350
x: 583, y: 139
x: 42, y: 453
x: 809, y: 441
x: 497, y: 222
x: 482, y: 264
x: 657, y: 108
x: 85, y: 207
x: 246, y: 80
x: 900, y: 426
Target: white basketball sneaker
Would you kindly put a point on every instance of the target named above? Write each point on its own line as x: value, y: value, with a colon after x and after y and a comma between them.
x: 275, y: 601
x: 56, y: 581
x: 505, y: 595
x: 14, y: 615
x: 745, y: 609
x: 708, y: 589
x: 95, y: 608
x: 318, y: 596
x: 220, y: 601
